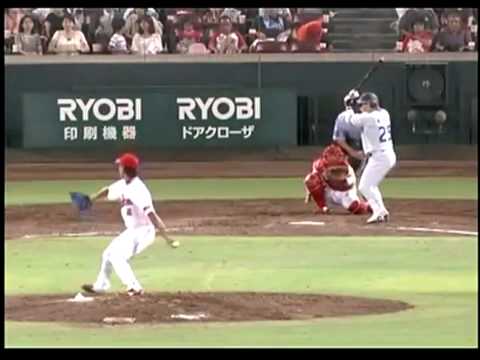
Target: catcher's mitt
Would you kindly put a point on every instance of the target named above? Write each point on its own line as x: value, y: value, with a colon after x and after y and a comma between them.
x: 337, y: 178
x: 81, y: 201
x: 336, y: 173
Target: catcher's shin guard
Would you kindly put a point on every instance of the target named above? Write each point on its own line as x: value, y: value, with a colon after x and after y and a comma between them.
x: 359, y: 208
x: 315, y: 186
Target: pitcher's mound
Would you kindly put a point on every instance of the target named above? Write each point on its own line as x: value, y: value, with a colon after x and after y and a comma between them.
x: 189, y: 306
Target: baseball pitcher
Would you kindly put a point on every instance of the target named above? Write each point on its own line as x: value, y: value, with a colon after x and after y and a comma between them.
x: 333, y: 182
x: 140, y: 221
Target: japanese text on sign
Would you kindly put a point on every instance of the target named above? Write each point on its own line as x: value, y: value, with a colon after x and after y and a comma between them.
x: 94, y: 133
x: 216, y: 132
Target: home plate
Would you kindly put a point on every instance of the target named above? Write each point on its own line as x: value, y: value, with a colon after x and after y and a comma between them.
x: 314, y: 223
x: 80, y: 298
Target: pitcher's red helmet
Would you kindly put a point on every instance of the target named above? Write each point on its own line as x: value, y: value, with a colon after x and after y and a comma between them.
x: 128, y: 160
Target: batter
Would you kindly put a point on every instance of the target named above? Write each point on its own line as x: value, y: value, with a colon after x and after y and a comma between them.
x: 378, y: 146
x: 140, y: 221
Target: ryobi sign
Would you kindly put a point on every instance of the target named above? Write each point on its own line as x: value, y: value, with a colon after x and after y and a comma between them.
x: 219, y: 108
x: 102, y: 109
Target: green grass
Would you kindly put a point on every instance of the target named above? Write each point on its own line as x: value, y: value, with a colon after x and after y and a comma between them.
x: 436, y: 274
x: 37, y: 192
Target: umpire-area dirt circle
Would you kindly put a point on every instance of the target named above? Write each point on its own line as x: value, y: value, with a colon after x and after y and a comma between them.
x: 165, y: 307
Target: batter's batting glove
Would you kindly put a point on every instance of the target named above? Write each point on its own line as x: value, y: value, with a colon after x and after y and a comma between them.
x: 81, y: 201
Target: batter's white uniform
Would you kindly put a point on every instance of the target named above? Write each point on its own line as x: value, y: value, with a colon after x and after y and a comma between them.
x: 136, y: 202
x: 377, y: 142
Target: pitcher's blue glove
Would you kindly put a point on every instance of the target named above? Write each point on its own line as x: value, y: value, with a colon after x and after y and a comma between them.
x: 81, y: 201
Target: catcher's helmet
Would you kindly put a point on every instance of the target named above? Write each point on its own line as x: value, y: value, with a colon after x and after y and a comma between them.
x: 369, y: 98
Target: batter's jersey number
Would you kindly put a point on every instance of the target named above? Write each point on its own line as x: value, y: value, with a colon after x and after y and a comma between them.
x: 385, y: 133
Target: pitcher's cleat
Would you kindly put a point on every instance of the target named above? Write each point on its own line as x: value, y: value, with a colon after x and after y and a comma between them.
x: 133, y: 292
x: 90, y: 289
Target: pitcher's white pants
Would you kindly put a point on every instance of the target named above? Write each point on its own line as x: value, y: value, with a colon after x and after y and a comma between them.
x: 115, y: 257
x: 378, y: 166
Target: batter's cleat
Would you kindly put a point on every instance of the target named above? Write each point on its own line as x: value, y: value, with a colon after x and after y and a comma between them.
x: 90, y: 289
x: 133, y: 292
x: 378, y: 218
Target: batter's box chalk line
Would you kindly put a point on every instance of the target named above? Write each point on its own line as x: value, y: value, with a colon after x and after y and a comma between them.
x: 119, y: 320
x: 197, y: 316
x: 309, y: 223
x: 445, y: 231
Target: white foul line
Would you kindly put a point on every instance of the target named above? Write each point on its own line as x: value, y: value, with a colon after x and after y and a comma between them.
x: 94, y: 233
x: 447, y: 231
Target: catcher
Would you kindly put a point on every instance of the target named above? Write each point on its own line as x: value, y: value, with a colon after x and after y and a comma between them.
x: 333, y: 182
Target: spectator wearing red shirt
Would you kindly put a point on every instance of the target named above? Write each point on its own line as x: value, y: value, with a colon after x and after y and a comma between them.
x: 311, y: 32
x: 226, y: 41
x: 420, y: 40
x: 187, y: 37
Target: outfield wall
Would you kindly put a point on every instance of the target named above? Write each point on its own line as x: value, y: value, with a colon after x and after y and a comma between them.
x: 300, y: 96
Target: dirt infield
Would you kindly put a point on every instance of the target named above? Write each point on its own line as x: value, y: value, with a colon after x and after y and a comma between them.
x: 245, y: 217
x: 174, y: 307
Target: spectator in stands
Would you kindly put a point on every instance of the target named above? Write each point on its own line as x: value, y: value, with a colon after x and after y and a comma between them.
x: 271, y: 24
x: 140, y: 12
x: 105, y: 30
x: 41, y: 14
x: 79, y: 16
x: 12, y: 20
x: 187, y: 37
x: 418, y: 41
x: 68, y: 40
x: 9, y: 37
x: 212, y: 16
x: 132, y: 22
x: 147, y: 41
x: 28, y: 38
x: 226, y: 41
x: 53, y: 22
x: 283, y: 12
x: 310, y: 32
x: 233, y: 14
x: 454, y: 37
x: 466, y: 14
x: 118, y: 43
x: 411, y: 15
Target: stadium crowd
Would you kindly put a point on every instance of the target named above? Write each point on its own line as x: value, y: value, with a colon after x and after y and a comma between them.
x: 37, y: 31
x: 440, y: 29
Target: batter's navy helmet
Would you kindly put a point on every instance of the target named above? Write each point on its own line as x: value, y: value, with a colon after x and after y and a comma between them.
x: 369, y: 98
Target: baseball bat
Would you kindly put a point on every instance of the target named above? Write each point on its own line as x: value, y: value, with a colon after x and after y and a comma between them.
x: 369, y: 73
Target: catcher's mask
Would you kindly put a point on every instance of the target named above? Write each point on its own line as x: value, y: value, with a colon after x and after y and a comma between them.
x: 337, y: 173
